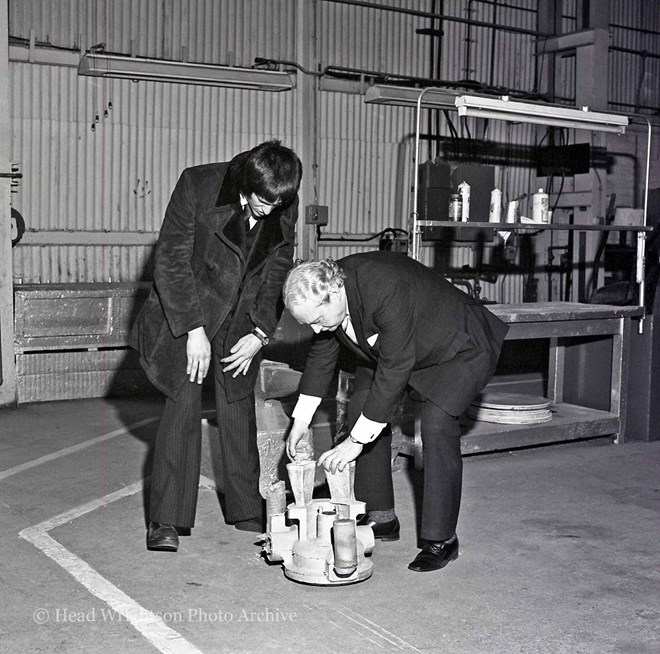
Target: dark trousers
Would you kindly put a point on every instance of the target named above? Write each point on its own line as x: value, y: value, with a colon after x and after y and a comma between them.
x: 177, y: 458
x: 373, y: 468
x: 443, y: 473
x: 443, y: 469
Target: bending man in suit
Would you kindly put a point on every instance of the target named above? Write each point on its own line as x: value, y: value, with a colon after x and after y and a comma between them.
x: 224, y: 249
x: 410, y: 328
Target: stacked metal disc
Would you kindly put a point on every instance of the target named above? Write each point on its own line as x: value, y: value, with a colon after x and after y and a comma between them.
x: 510, y: 408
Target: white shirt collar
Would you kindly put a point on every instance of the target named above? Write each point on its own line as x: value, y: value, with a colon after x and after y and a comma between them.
x: 252, y: 221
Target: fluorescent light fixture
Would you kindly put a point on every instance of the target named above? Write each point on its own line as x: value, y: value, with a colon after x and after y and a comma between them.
x: 181, y: 72
x: 403, y: 96
x: 539, y: 114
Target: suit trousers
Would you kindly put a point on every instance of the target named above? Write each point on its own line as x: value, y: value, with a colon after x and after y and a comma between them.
x: 443, y: 469
x: 373, y: 468
x: 177, y: 458
x: 443, y: 473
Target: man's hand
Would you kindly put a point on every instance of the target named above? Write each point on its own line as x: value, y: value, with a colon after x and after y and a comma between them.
x: 339, y: 457
x: 198, y: 350
x: 299, y: 446
x: 242, y: 354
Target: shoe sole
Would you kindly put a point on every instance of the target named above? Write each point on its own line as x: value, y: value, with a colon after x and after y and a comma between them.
x: 444, y: 565
x: 162, y: 547
x: 387, y: 538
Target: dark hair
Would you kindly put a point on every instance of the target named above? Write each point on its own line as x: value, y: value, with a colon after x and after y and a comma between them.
x: 271, y: 171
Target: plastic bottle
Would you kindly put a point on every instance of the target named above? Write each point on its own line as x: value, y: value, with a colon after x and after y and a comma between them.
x: 495, y: 213
x: 464, y: 192
x: 540, y: 206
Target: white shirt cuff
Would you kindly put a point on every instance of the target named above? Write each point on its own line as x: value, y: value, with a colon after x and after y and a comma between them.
x: 305, y: 408
x: 366, y: 430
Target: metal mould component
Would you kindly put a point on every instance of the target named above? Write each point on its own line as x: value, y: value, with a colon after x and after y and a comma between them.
x: 318, y: 541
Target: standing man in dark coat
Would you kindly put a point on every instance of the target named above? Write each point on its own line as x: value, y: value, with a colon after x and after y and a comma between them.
x: 410, y: 328
x: 224, y: 249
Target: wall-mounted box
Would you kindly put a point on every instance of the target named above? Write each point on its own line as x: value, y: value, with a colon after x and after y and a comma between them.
x: 316, y: 214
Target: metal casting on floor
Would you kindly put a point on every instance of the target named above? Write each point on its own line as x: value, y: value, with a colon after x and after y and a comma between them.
x: 318, y: 541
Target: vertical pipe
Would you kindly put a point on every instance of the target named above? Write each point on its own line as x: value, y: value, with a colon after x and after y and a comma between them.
x: 641, y: 236
x: 7, y: 365
x: 493, y: 38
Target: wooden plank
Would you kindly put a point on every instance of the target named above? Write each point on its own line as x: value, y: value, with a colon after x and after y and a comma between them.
x: 569, y: 422
x: 561, y: 311
x: 564, y: 329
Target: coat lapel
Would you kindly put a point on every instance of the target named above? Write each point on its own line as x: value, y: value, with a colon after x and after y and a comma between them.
x: 356, y: 311
x: 269, y: 237
x: 230, y: 228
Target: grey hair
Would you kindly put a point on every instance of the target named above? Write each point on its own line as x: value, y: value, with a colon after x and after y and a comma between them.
x: 311, y: 280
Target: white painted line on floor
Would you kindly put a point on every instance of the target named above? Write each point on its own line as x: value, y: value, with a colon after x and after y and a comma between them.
x: 374, y: 630
x: 80, y: 446
x: 149, y: 625
x: 74, y: 448
x: 88, y: 507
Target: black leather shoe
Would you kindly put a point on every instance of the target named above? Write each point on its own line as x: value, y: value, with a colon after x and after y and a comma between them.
x: 385, y: 531
x: 435, y: 555
x: 162, y: 538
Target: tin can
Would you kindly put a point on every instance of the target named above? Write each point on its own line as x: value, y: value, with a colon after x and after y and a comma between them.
x: 455, y: 207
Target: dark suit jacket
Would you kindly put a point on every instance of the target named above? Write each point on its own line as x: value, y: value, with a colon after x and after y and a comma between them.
x: 413, y: 328
x: 202, y: 277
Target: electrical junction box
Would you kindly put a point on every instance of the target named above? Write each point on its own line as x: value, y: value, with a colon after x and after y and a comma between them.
x: 316, y: 215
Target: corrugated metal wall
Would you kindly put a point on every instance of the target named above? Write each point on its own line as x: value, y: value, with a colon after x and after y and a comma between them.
x: 367, y: 151
x: 634, y: 79
x: 409, y: 54
x: 102, y: 156
x: 116, y: 175
x: 117, y: 178
x: 228, y: 32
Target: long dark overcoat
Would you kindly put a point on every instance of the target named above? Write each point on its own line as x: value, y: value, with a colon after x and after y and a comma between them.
x: 202, y: 277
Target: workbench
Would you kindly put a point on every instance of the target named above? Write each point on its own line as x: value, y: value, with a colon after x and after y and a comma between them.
x: 566, y: 325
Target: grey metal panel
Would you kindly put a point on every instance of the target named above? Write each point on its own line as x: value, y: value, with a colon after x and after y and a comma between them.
x: 68, y: 264
x: 370, y: 39
x: 365, y: 155
x: 633, y: 79
x: 232, y: 32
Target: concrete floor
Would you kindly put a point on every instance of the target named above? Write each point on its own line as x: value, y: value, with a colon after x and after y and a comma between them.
x: 559, y: 554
